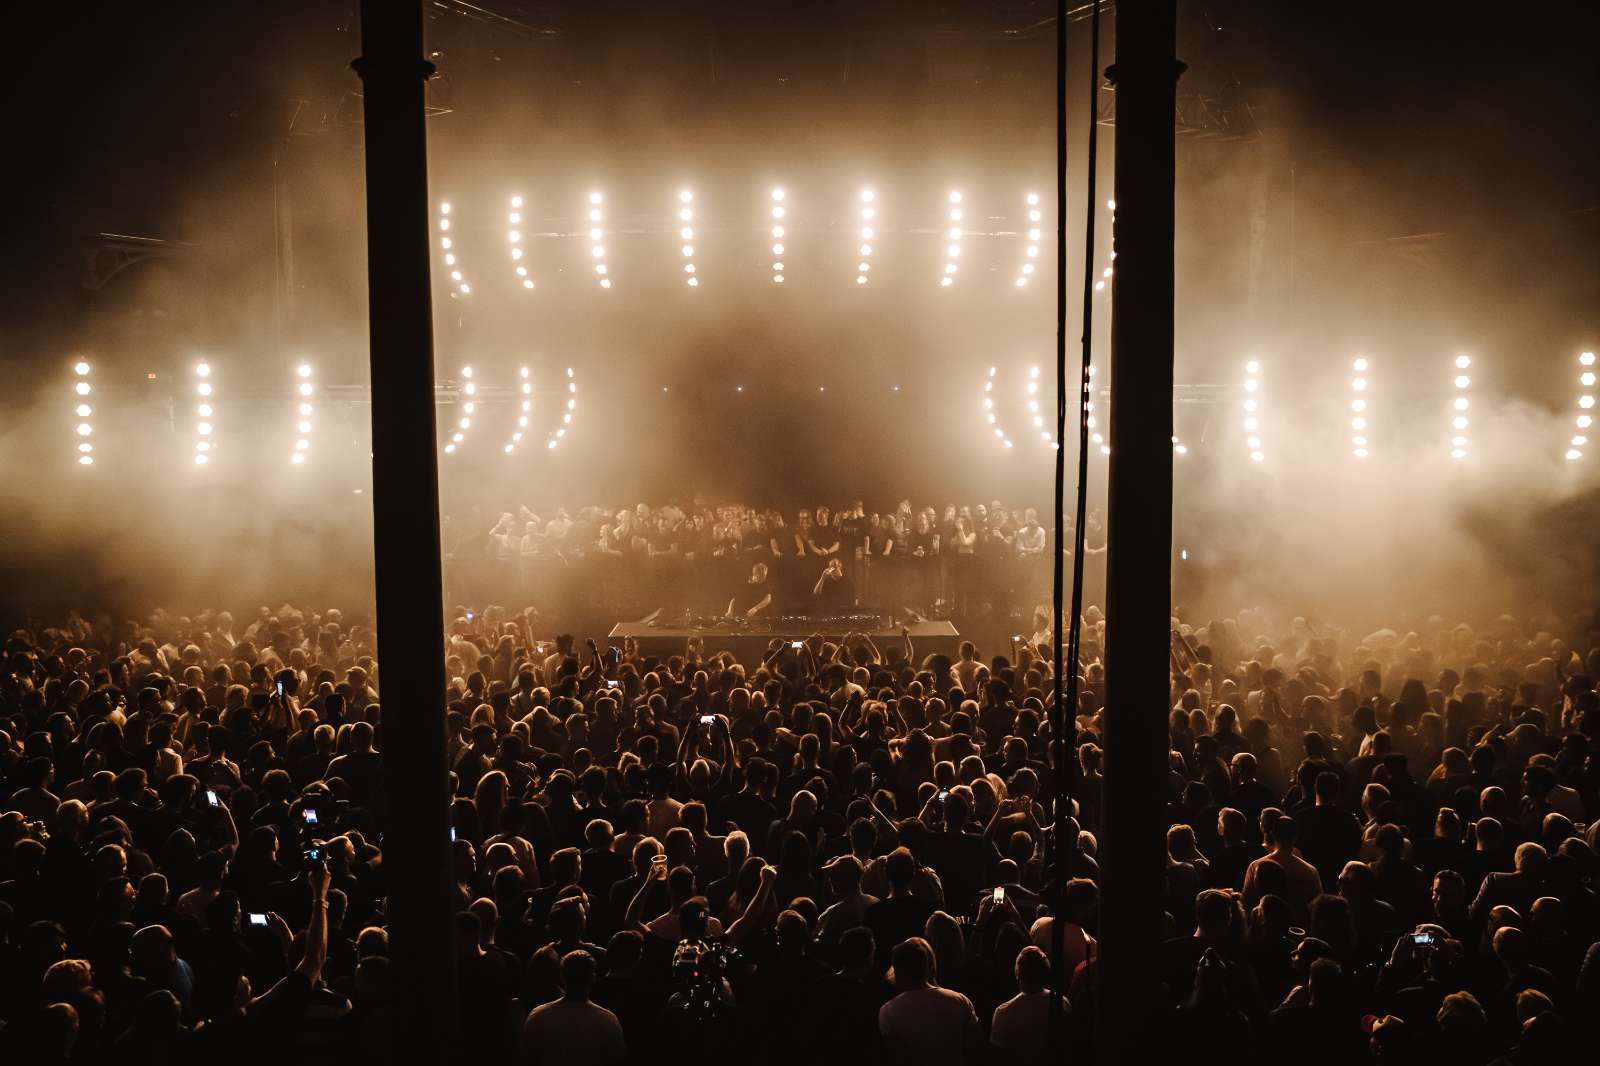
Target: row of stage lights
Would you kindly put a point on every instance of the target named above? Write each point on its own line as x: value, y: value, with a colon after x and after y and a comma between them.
x: 1360, y: 412
x: 469, y: 409
x: 867, y: 211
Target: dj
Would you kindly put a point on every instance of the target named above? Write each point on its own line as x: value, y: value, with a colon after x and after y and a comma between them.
x: 831, y: 591
x: 756, y: 597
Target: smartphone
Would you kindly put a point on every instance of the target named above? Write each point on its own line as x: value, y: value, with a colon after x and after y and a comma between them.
x: 999, y: 893
x: 257, y: 919
x: 452, y: 834
x: 944, y: 794
x: 708, y: 719
x: 1422, y: 939
x: 797, y: 644
x: 280, y: 688
x: 308, y: 815
x: 314, y: 854
x: 470, y: 616
x: 211, y: 798
x: 612, y: 684
x: 1016, y: 638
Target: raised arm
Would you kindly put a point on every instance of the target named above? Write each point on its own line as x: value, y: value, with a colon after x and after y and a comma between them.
x: 750, y: 919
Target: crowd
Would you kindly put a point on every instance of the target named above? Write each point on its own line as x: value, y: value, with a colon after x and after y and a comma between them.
x: 964, y: 561
x: 1381, y: 847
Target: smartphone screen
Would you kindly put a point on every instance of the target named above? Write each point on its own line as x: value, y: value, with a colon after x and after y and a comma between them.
x: 707, y: 719
x: 308, y: 816
x: 258, y: 919
x: 211, y: 797
x: 280, y: 688
x: 944, y: 794
x: 797, y: 644
x: 999, y: 893
x: 611, y: 684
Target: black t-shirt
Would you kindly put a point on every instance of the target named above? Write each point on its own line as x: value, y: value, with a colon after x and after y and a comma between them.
x: 852, y: 533
x: 751, y: 595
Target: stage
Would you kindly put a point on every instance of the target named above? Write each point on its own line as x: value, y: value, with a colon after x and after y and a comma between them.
x: 749, y: 645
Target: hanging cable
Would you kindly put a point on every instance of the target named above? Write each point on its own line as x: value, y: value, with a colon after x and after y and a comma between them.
x: 1064, y: 723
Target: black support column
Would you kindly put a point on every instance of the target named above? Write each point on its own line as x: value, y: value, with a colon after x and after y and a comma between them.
x: 1138, y: 560
x: 405, y: 505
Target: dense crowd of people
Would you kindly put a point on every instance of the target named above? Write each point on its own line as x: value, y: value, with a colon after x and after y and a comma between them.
x: 1382, y: 847
x: 968, y: 562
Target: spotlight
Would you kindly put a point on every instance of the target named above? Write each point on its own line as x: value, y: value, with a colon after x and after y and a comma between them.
x: 1586, y: 382
x: 303, y: 426
x: 1252, y: 405
x: 1358, y: 385
x: 597, y: 250
x: 204, y: 429
x: 868, y: 213
x: 1458, y: 422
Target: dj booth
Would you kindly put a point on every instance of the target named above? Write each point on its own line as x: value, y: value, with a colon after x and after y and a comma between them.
x: 749, y: 641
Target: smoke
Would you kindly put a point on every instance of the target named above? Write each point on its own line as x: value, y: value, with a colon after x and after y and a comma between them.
x: 1285, y: 254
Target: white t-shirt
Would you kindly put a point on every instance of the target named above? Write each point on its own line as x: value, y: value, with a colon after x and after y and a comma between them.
x: 563, y: 1032
x: 928, y: 1027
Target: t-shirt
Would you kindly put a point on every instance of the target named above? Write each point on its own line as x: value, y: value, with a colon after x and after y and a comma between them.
x: 751, y: 595
x: 928, y: 1027
x: 1022, y: 1026
x: 563, y: 1032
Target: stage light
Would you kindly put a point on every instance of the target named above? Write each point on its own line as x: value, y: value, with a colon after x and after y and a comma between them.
x: 686, y: 215
x: 1252, y: 405
x: 868, y: 213
x: 514, y: 238
x: 952, y: 251
x: 460, y: 285
x: 204, y: 429
x: 1358, y: 385
x: 303, y: 426
x: 597, y: 250
x: 1459, y: 442
x: 81, y: 389
x: 1583, y: 420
